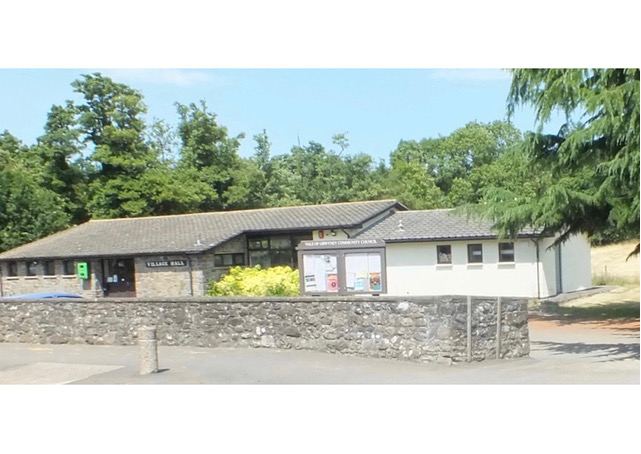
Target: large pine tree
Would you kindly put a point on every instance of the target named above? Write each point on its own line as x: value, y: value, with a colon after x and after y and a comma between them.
x: 590, y: 167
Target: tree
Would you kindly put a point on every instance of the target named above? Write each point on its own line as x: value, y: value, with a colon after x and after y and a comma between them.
x: 161, y: 138
x: 447, y: 171
x: 28, y: 210
x: 59, y: 156
x: 411, y: 183
x: 111, y: 120
x: 591, y: 164
x: 207, y: 149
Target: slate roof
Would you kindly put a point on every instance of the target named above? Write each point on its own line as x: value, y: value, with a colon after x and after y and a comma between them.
x: 432, y: 225
x: 193, y: 233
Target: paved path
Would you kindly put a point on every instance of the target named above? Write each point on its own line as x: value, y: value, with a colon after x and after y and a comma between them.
x: 575, y: 354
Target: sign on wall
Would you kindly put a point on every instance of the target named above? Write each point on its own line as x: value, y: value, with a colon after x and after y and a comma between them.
x: 166, y: 263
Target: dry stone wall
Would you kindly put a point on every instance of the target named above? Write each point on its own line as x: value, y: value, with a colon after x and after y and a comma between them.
x: 424, y: 329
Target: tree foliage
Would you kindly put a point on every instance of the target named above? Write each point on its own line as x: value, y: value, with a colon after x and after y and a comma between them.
x: 590, y: 167
x: 28, y: 210
x: 99, y: 158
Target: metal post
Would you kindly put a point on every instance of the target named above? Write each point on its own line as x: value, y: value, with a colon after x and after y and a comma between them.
x: 148, y: 350
x: 498, y: 327
x: 469, y: 328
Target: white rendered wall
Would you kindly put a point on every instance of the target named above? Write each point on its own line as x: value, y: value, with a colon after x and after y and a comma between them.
x: 547, y: 268
x: 412, y: 270
x: 576, y: 264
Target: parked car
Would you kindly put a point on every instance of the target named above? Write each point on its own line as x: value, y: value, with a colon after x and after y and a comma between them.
x: 35, y: 296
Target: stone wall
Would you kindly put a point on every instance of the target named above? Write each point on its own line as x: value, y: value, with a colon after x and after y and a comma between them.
x: 421, y: 329
x: 167, y: 281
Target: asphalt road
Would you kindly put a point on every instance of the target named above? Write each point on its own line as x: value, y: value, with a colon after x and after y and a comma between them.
x: 577, y: 353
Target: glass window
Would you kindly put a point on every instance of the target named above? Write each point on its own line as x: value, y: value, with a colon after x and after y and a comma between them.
x: 260, y: 258
x: 50, y: 268
x: 474, y: 253
x: 68, y: 267
x: 363, y: 272
x: 444, y: 254
x: 13, y: 268
x: 281, y: 257
x: 32, y: 268
x: 506, y: 252
x: 229, y: 259
x: 261, y: 243
x: 321, y: 272
x: 280, y: 243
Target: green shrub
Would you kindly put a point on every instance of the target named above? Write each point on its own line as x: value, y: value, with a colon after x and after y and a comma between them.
x: 274, y: 281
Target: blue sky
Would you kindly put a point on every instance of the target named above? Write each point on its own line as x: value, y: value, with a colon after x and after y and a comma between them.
x: 376, y: 107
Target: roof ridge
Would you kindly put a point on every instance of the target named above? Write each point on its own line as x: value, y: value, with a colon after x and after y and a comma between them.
x: 250, y: 210
x: 423, y: 211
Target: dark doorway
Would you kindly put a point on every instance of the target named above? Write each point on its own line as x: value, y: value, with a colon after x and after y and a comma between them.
x: 120, y: 277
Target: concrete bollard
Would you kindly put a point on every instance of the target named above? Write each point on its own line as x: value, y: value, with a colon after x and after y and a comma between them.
x: 148, y: 350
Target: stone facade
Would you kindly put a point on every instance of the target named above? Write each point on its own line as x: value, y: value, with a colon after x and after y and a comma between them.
x: 169, y: 281
x: 424, y: 329
x: 59, y: 282
x: 165, y: 282
x: 205, y: 263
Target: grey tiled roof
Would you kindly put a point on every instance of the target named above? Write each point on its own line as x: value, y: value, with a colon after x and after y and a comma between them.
x: 192, y: 233
x: 431, y: 225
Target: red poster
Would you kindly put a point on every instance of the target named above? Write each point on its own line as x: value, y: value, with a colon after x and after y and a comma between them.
x: 332, y: 282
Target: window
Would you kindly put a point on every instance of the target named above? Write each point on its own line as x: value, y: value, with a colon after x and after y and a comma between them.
x: 363, y: 272
x: 229, y: 259
x: 13, y: 268
x: 31, y: 268
x: 444, y: 255
x: 506, y: 252
x: 50, y: 268
x: 320, y: 273
x: 68, y: 267
x: 474, y: 253
x: 277, y: 250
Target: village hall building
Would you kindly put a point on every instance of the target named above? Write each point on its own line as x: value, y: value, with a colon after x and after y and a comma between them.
x: 374, y: 247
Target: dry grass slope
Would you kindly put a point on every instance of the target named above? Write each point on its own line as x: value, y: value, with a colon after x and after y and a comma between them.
x: 610, y: 266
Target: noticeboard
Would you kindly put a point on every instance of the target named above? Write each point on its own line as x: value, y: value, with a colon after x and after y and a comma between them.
x: 342, y: 266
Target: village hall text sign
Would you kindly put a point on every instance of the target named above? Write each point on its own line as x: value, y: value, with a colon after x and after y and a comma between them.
x: 166, y: 263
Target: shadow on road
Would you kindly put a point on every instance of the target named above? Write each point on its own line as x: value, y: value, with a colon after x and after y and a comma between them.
x: 613, y: 352
x: 623, y: 316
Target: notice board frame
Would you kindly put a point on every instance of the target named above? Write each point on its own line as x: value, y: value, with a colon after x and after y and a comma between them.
x: 340, y: 248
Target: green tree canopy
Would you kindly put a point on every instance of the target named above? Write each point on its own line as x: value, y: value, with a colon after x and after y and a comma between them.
x: 208, y: 150
x: 591, y: 164
x: 28, y: 210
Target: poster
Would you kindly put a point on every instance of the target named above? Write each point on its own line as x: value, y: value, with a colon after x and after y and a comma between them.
x: 375, y: 282
x: 320, y: 272
x: 332, y: 282
x: 364, y: 270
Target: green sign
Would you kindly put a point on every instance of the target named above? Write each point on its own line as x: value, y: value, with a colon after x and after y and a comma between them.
x: 83, y: 270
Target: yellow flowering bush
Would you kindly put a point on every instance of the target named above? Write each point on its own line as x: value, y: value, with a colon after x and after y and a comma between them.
x: 274, y: 281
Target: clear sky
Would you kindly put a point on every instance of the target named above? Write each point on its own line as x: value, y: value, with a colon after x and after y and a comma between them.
x: 376, y: 107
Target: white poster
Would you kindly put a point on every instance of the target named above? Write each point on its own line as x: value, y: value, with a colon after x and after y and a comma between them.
x: 363, y: 272
x: 320, y: 273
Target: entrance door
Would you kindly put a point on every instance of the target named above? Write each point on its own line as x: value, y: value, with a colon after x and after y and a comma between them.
x: 120, y: 277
